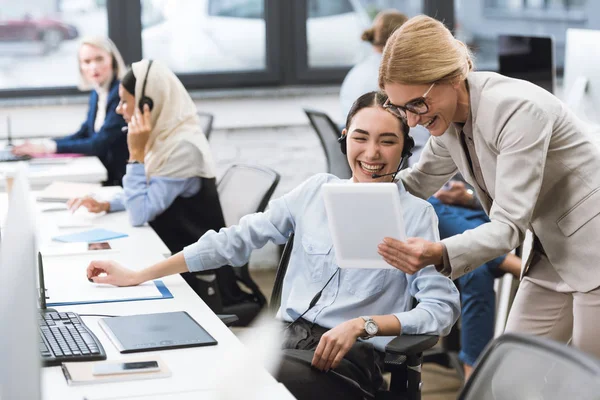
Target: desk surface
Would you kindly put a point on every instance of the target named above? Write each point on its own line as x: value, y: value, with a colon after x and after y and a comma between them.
x: 43, y: 172
x: 193, y: 369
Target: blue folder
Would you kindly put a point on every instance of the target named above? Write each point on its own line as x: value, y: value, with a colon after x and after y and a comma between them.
x: 94, y: 235
x: 164, y: 294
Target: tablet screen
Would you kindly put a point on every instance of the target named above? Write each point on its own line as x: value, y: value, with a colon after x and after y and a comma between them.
x: 360, y: 215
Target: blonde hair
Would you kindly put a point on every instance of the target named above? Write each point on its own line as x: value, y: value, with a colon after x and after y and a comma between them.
x: 384, y: 24
x: 424, y: 51
x: 107, y: 45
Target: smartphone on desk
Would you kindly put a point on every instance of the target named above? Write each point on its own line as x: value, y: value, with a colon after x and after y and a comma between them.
x: 125, y: 367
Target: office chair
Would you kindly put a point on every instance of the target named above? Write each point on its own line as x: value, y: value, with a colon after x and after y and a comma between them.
x: 328, y: 132
x: 403, y: 355
x: 515, y: 367
x: 245, y: 189
x: 206, y: 123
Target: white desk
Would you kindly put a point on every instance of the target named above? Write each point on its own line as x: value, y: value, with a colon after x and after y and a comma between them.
x: 41, y: 174
x: 193, y: 369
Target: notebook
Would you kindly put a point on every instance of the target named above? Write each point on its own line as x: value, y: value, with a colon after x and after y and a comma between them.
x: 146, y: 332
x: 94, y: 235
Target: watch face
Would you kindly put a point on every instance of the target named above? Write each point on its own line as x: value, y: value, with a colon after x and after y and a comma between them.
x: 371, y: 328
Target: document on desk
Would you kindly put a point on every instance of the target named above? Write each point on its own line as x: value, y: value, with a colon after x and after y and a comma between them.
x: 59, y: 191
x: 66, y: 284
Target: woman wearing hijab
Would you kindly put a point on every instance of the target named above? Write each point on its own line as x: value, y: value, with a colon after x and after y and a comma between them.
x: 170, y: 179
x: 101, y: 67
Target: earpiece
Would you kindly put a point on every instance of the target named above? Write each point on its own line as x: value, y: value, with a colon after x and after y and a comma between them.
x: 145, y: 100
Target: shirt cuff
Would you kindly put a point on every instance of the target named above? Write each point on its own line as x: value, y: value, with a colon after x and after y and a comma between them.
x: 49, y: 145
x: 409, y: 323
x: 445, y: 268
x: 136, y: 169
x: 192, y: 257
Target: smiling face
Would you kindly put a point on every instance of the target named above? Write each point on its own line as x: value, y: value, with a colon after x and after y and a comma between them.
x: 96, y: 64
x: 126, y: 106
x: 374, y: 144
x: 442, y: 101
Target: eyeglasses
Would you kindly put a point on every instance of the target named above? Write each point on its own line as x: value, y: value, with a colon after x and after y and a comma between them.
x: 417, y: 106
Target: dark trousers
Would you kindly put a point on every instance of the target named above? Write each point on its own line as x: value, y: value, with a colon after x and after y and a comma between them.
x: 476, y: 288
x: 358, y: 376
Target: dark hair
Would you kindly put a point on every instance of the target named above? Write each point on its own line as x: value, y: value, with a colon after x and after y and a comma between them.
x: 128, y: 82
x: 372, y: 99
x: 376, y: 99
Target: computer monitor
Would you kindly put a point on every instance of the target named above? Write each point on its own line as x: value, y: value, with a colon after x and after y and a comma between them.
x: 19, y: 332
x: 530, y: 58
x: 582, y: 73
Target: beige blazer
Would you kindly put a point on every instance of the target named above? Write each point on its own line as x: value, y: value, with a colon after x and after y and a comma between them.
x: 541, y: 171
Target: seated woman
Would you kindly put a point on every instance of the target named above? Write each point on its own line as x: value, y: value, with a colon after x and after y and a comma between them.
x: 325, y: 335
x: 101, y: 67
x: 170, y: 180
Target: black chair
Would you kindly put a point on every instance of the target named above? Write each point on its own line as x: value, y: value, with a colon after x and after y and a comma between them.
x: 206, y: 123
x: 243, y: 190
x: 329, y: 133
x: 515, y: 367
x: 403, y: 355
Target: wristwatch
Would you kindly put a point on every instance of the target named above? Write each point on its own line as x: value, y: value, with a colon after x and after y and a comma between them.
x: 371, y: 328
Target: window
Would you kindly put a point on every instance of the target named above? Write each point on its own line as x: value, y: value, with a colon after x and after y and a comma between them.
x: 193, y: 36
x: 236, y: 8
x: 334, y: 28
x: 39, y: 40
x: 479, y: 24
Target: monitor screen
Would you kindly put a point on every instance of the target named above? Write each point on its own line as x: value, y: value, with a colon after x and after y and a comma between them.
x: 530, y: 58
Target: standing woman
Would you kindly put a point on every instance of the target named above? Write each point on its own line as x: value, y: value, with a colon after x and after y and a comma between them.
x: 531, y: 164
x: 101, y: 68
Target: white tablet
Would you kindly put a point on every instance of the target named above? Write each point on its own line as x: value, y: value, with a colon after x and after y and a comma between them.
x: 360, y: 215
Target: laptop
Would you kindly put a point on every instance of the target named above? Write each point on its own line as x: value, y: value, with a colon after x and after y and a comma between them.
x: 6, y: 153
x: 63, y: 335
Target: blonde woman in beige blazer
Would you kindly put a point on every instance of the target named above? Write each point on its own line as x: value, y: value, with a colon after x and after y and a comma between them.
x: 531, y: 164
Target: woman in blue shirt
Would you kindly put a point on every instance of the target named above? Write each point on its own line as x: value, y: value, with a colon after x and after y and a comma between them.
x: 101, y: 67
x: 325, y: 336
x: 170, y: 180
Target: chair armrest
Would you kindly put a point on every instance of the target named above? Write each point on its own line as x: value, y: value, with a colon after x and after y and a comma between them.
x: 411, y: 344
x: 228, y: 319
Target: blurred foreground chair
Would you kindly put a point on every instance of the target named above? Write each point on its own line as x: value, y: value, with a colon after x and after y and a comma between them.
x: 522, y: 367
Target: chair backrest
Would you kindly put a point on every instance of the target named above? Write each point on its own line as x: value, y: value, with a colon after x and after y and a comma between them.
x: 329, y: 133
x: 206, y: 123
x: 526, y: 367
x: 275, y: 301
x: 245, y: 189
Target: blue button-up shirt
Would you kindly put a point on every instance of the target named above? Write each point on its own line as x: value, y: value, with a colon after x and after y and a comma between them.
x: 352, y: 292
x: 145, y: 199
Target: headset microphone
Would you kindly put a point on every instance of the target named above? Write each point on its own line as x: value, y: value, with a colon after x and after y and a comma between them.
x: 404, y: 157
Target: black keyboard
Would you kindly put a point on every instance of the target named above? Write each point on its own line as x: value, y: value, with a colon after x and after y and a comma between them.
x: 7, y: 155
x: 64, y: 337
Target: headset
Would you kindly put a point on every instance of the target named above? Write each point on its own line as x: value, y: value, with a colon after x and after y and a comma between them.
x: 145, y: 100
x: 409, y: 143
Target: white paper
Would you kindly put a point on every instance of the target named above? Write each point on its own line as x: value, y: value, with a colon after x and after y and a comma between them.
x: 66, y: 282
x: 54, y: 249
x: 59, y: 190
